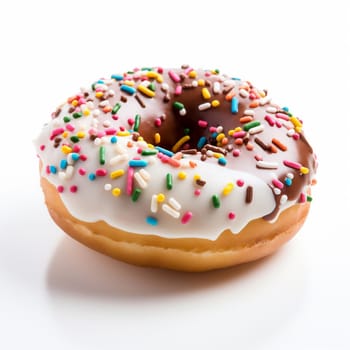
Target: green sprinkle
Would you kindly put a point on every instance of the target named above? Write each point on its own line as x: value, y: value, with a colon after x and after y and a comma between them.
x: 137, y: 122
x: 250, y: 125
x: 178, y: 105
x: 102, y: 155
x: 169, y: 181
x: 74, y: 139
x: 77, y: 115
x: 149, y: 152
x: 116, y: 108
x: 136, y: 194
x: 152, y: 86
x: 216, y: 201
x: 66, y: 119
x: 187, y: 131
x: 309, y: 198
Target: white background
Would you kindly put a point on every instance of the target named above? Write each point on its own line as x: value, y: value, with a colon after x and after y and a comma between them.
x: 57, y: 294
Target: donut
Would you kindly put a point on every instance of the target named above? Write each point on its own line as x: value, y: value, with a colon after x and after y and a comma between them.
x: 179, y: 168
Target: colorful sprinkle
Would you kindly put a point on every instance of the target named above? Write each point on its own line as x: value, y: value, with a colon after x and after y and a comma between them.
x: 186, y: 217
x: 234, y: 105
x: 152, y: 220
x: 216, y: 201
x: 169, y: 181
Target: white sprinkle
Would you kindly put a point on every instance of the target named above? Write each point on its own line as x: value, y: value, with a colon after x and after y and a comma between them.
x: 103, y: 103
x: 164, y: 87
x: 263, y: 101
x: 229, y: 82
x: 243, y: 93
x: 118, y: 159
x: 107, y: 187
x: 70, y: 160
x: 102, y: 87
x: 182, y: 111
x: 96, y: 112
x: 174, y: 203
x: 111, y: 93
x: 277, y: 191
x: 69, y: 171
x: 249, y: 112
x: 256, y: 129
x: 219, y: 129
x: 145, y: 174
x: 271, y: 109
x: 290, y: 132
x: 154, y: 204
x: 283, y: 199
x: 204, y: 106
x: 169, y: 210
x: 266, y: 165
x: 90, y: 104
x: 62, y: 175
x: 119, y: 149
x: 290, y: 175
x: 140, y: 181
x: 209, y: 153
x: 97, y: 141
x: 106, y: 123
x: 216, y: 88
x: 194, y: 83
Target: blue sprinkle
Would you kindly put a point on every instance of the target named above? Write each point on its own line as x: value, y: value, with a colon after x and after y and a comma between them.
x: 222, y: 161
x: 288, y: 181
x: 286, y: 109
x: 114, y: 139
x: 75, y: 156
x: 214, y: 134
x: 138, y: 163
x: 201, y: 142
x: 63, y: 164
x: 236, y: 78
x: 128, y: 89
x: 234, y: 105
x: 100, y: 82
x: 92, y: 176
x: 117, y: 77
x: 53, y: 169
x: 164, y: 151
x: 152, y: 220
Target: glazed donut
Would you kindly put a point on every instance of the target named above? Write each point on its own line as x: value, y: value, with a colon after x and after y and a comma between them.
x: 178, y: 168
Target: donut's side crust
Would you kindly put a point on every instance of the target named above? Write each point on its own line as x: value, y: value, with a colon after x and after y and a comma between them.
x: 258, y: 239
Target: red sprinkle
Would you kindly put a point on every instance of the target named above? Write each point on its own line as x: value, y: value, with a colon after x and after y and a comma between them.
x: 101, y: 172
x: 60, y: 188
x: 240, y: 182
x: 82, y: 171
x: 231, y: 215
x: 186, y: 217
x: 73, y: 188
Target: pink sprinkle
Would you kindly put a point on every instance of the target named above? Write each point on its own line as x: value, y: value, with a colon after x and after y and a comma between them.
x: 81, y: 101
x: 291, y: 164
x: 278, y: 124
x: 186, y: 217
x: 270, y: 120
x: 56, y: 132
x: 296, y: 136
x: 73, y: 188
x: 101, y: 134
x: 178, y: 90
x: 158, y: 122
x: 174, y: 77
x: 82, y: 171
x: 92, y: 131
x: 115, y: 117
x: 160, y: 70
x: 121, y: 128
x: 240, y: 182
x: 202, y: 123
x: 47, y: 169
x: 42, y: 147
x: 174, y: 162
x: 231, y: 215
x: 130, y: 121
x: 83, y: 157
x: 239, y: 134
x: 129, y: 180
x: 76, y: 148
x: 111, y: 131
x: 258, y: 157
x: 236, y: 152
x: 60, y: 188
x: 212, y: 129
x: 188, y: 70
x: 282, y: 116
x: 197, y: 192
x: 278, y: 183
x: 302, y: 198
x: 70, y: 127
x: 101, y: 172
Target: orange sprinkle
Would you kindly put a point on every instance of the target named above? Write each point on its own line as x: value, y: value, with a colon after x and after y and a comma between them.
x: 129, y: 144
x: 313, y: 182
x: 107, y: 109
x: 246, y: 119
x: 254, y: 104
x: 249, y: 146
x: 273, y: 149
x: 192, y: 164
x: 224, y: 141
x: 230, y: 95
x: 157, y: 138
x: 177, y: 156
x: 279, y: 144
x: 239, y: 142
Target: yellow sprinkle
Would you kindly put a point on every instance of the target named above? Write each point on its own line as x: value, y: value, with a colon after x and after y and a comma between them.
x: 206, y: 94
x: 129, y: 82
x: 201, y: 82
x: 146, y: 91
x: 192, y: 74
x: 304, y: 170
x: 116, y: 191
x: 237, y: 129
x: 74, y: 103
x: 298, y: 129
x: 228, y: 188
x: 81, y: 134
x: 217, y: 155
x: 215, y: 103
x: 99, y: 94
x: 66, y: 149
x: 179, y: 143
x: 231, y: 132
x: 65, y: 134
x: 262, y: 93
x: 117, y: 173
x: 155, y: 75
x: 295, y: 121
x: 156, y: 138
x: 160, y: 197
x: 123, y: 133
x: 86, y: 112
x: 182, y: 175
x: 196, y: 177
x: 220, y: 137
